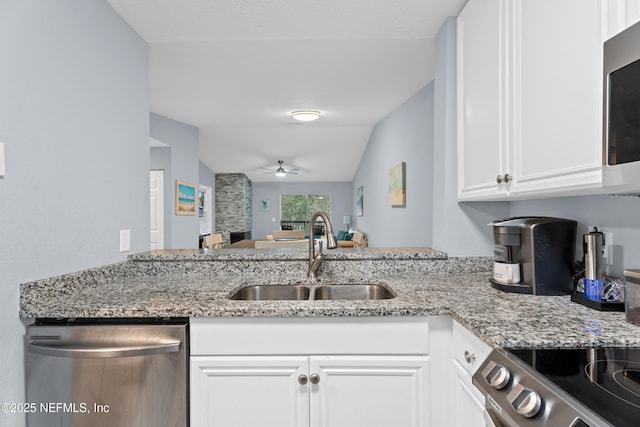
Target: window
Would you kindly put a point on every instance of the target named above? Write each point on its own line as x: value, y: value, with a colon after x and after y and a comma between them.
x: 296, y: 209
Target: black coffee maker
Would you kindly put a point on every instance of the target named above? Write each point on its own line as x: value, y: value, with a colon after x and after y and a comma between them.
x: 534, y: 255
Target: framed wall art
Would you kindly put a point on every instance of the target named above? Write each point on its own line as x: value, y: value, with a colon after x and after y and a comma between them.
x: 397, y: 184
x: 185, y: 198
x: 359, y: 202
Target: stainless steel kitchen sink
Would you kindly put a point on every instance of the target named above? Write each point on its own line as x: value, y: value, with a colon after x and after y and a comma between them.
x: 313, y: 292
x: 352, y: 292
x: 272, y: 292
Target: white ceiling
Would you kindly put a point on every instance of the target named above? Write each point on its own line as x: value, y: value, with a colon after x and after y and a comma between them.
x: 236, y: 69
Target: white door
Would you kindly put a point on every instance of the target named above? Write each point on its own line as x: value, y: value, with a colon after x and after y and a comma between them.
x: 369, y: 391
x: 248, y: 391
x: 156, y: 181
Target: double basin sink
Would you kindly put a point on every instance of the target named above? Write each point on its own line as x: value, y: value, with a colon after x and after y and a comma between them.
x: 313, y: 292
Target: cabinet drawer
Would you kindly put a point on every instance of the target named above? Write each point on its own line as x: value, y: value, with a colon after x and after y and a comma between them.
x: 265, y: 336
x: 468, y: 349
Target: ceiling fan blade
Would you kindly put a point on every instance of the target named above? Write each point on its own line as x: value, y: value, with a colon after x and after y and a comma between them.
x: 280, y: 169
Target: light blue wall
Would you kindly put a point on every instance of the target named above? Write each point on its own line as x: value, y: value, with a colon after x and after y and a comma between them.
x: 185, y: 165
x: 342, y: 203
x: 619, y: 215
x: 206, y: 176
x: 405, y: 135
x: 74, y: 117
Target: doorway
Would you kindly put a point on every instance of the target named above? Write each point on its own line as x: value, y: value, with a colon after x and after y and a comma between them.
x: 205, y: 209
x: 156, y: 192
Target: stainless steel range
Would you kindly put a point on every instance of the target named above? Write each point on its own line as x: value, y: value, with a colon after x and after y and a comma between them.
x: 561, y: 387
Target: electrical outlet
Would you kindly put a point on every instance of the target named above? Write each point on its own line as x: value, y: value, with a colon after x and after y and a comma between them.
x: 125, y: 240
x: 608, y: 247
x: 2, y: 169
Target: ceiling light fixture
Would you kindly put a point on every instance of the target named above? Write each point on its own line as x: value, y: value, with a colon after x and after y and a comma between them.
x: 280, y: 172
x: 305, y: 115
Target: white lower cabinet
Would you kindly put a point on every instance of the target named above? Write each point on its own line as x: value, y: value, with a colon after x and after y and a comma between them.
x: 363, y: 372
x: 315, y: 391
x: 468, y: 353
x: 248, y: 391
x: 469, y: 409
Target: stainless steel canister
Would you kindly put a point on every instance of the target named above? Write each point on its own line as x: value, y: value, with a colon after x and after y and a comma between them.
x: 593, y: 243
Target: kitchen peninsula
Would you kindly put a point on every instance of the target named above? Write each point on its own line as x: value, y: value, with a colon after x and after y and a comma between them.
x: 197, y: 283
x: 410, y: 357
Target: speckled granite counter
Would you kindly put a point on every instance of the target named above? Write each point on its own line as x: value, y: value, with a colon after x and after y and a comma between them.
x: 173, y: 284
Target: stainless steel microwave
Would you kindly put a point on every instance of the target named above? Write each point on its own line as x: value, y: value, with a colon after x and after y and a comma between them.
x: 621, y: 111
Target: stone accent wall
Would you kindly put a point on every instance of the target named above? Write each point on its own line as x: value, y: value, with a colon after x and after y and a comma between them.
x: 233, y: 204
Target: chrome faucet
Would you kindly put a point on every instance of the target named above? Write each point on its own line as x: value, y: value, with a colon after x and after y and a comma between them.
x: 315, y: 260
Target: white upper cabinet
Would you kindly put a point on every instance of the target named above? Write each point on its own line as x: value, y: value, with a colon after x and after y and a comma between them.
x: 482, y: 152
x: 534, y: 67
x: 620, y: 14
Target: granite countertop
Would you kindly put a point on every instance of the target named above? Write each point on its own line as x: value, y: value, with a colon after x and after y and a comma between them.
x: 498, y: 318
x: 288, y: 254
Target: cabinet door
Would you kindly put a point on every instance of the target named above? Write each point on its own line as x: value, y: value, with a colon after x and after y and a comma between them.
x: 620, y: 14
x: 482, y: 154
x: 469, y: 411
x: 370, y: 391
x: 249, y: 391
x: 558, y: 97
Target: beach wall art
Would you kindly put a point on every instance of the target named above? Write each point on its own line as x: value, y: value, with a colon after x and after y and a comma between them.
x: 359, y: 201
x: 185, y: 198
x: 397, y: 184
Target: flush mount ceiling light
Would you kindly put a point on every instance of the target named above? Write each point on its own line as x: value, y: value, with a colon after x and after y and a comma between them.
x: 305, y: 115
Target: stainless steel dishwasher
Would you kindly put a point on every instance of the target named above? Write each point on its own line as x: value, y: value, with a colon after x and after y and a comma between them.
x: 85, y: 373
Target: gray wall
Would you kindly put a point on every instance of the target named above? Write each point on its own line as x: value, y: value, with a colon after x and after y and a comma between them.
x: 405, y: 135
x: 342, y: 202
x: 206, y: 176
x: 74, y: 117
x: 184, y: 140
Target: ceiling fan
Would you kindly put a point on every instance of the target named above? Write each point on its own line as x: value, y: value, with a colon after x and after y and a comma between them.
x: 280, y: 171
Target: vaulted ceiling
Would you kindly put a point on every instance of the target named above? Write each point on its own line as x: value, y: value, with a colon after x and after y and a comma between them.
x: 236, y: 69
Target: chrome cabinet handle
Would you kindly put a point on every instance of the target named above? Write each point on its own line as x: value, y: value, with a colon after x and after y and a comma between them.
x: 470, y: 358
x: 314, y: 378
x: 302, y: 379
x: 506, y: 179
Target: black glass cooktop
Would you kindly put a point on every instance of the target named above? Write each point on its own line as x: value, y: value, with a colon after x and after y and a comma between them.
x: 605, y: 380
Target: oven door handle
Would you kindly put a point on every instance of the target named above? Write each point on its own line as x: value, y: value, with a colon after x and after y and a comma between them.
x: 104, y: 352
x: 491, y: 418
